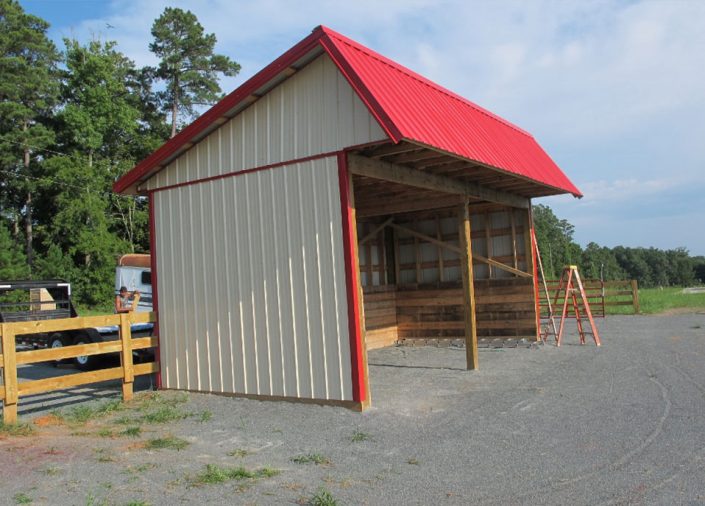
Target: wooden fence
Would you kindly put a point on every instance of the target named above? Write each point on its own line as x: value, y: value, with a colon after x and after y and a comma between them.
x: 11, y: 389
x: 601, y: 295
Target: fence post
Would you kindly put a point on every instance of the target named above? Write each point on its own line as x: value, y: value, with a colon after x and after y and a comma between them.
x: 9, y: 374
x: 128, y: 373
x: 635, y: 296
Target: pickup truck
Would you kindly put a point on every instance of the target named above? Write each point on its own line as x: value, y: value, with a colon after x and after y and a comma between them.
x: 48, y: 300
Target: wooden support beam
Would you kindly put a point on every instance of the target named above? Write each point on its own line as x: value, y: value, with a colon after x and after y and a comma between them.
x: 375, y: 230
x: 468, y: 289
x: 400, y: 174
x: 439, y: 236
x: 426, y: 238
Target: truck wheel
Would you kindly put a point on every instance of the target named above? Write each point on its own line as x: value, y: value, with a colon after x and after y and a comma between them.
x: 57, y: 341
x: 85, y: 362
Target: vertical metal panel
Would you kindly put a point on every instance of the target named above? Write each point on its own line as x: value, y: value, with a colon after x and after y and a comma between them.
x: 252, y: 284
x: 313, y: 112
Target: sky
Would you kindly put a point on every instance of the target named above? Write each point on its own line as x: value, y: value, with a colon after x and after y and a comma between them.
x: 614, y: 91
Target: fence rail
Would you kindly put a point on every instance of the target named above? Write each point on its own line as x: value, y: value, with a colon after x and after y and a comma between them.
x: 601, y: 295
x: 11, y: 389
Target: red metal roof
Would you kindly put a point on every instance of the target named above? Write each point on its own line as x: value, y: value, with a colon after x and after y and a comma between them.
x: 407, y: 106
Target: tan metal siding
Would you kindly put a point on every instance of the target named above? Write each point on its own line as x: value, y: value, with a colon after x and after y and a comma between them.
x: 315, y: 111
x: 251, y: 280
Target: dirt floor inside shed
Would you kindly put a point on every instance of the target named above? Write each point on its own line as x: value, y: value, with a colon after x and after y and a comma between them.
x: 620, y: 424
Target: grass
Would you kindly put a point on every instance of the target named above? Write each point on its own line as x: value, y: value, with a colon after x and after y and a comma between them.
x: 16, y: 429
x: 132, y: 431
x: 166, y: 443
x: 214, y: 474
x: 311, y: 458
x: 80, y: 415
x: 22, y: 498
x: 359, y: 436
x: 322, y: 497
x: 659, y: 300
x: 164, y: 414
x: 239, y: 453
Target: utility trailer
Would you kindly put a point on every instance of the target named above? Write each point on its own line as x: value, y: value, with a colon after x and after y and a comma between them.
x: 49, y: 300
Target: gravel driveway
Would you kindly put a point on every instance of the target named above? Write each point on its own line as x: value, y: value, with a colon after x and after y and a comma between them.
x: 620, y: 424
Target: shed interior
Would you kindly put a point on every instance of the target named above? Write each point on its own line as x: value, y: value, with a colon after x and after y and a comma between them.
x: 410, y: 248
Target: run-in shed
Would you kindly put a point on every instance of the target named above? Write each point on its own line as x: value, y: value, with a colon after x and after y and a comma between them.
x: 335, y: 202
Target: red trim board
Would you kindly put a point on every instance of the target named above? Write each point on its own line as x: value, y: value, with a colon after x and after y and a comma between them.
x: 351, y: 283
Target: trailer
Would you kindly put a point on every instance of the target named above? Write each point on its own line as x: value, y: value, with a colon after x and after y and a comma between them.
x: 50, y: 300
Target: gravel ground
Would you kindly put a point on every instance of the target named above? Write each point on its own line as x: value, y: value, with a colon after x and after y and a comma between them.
x: 620, y: 424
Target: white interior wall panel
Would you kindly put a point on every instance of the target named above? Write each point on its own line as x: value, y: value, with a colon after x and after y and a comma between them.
x: 313, y: 112
x: 252, y: 293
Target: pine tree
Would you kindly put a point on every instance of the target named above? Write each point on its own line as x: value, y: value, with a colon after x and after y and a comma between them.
x: 28, y: 92
x: 188, y: 64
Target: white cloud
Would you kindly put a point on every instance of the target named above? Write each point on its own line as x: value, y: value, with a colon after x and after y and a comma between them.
x: 612, y: 89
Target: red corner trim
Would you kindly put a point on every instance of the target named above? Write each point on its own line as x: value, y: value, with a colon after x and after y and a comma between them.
x: 155, y: 290
x: 351, y: 283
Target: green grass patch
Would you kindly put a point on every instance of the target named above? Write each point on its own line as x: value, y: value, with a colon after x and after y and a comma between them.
x: 80, y: 415
x: 204, y: 416
x: 659, y: 300
x: 359, y: 436
x: 311, y: 458
x: 132, y: 431
x: 164, y: 414
x: 167, y: 443
x: 239, y: 453
x: 22, y: 498
x: 137, y: 503
x: 322, y: 497
x: 16, y: 429
x: 214, y: 474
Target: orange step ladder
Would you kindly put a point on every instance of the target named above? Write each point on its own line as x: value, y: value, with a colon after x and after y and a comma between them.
x: 567, y: 285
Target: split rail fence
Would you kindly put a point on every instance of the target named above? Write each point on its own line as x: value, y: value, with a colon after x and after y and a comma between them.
x: 601, y: 296
x: 11, y: 389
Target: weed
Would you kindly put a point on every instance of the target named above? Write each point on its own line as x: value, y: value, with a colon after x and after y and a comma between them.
x: 81, y: 414
x: 205, y: 416
x: 132, y: 431
x: 123, y: 420
x: 168, y: 442
x: 139, y: 469
x: 164, y: 414
x: 213, y: 474
x: 311, y: 458
x: 137, y: 503
x: 238, y: 452
x: 103, y: 455
x: 105, y: 432
x: 22, y: 498
x: 16, y: 429
x: 359, y: 436
x: 51, y: 471
x: 322, y: 497
x: 413, y: 462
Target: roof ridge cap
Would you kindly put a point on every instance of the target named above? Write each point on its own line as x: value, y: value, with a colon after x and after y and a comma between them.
x: 418, y: 77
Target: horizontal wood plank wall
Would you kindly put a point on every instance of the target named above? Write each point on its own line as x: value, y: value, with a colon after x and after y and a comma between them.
x: 380, y: 316
x: 505, y: 309
x: 429, y: 298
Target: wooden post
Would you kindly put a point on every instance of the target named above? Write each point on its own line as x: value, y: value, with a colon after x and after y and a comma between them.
x: 128, y: 373
x: 532, y: 267
x: 439, y: 236
x: 9, y: 374
x: 635, y: 296
x: 468, y: 287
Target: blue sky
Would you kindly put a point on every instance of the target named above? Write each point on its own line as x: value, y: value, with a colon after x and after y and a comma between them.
x: 613, y: 90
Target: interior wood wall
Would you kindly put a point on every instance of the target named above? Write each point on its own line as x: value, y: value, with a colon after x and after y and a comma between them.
x: 421, y: 280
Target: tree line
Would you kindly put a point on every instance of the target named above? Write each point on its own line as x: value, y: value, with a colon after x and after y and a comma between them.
x: 75, y: 119
x: 649, y: 266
